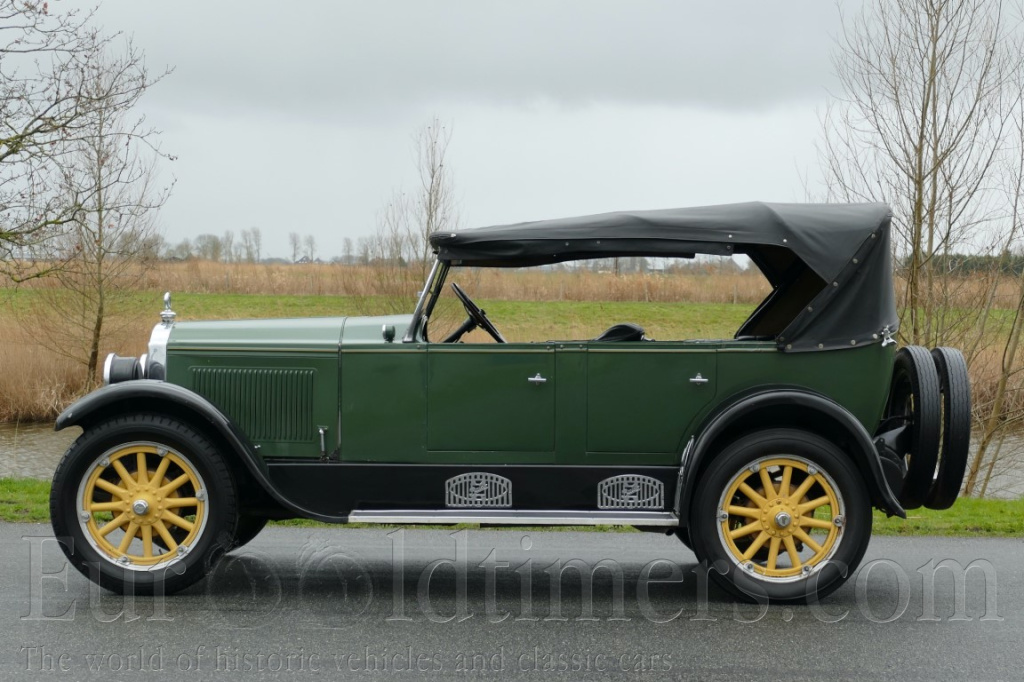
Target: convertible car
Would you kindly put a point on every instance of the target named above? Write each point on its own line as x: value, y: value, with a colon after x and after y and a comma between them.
x: 765, y: 453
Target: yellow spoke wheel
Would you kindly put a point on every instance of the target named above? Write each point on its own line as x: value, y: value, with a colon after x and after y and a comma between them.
x: 782, y: 514
x: 781, y: 517
x: 142, y: 505
x: 147, y: 503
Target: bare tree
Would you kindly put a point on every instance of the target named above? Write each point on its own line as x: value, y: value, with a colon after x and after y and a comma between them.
x: 151, y: 248
x: 1005, y: 412
x: 365, y: 245
x: 435, y: 204
x: 257, y: 244
x: 310, y: 247
x: 227, y: 243
x: 927, y: 89
x: 252, y: 242
x: 399, y: 248
x: 181, y: 251
x: 208, y: 247
x: 931, y: 121
x: 108, y: 174
x: 47, y: 101
x: 295, y: 241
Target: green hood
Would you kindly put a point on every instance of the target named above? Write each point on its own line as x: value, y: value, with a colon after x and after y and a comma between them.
x: 318, y: 333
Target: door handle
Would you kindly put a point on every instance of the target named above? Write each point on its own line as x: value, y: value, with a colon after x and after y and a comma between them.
x: 537, y: 379
x: 698, y: 379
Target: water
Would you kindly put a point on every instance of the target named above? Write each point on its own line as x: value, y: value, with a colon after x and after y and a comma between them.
x: 33, y: 451
x: 1008, y: 474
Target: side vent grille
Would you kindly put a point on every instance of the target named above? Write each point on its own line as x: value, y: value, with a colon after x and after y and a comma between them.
x: 269, y: 404
x: 478, y: 489
x: 631, y: 491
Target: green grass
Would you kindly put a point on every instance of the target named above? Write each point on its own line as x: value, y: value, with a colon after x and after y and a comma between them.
x: 241, y: 306
x: 968, y: 517
x: 519, y: 320
x: 24, y: 500
x: 532, y: 320
x: 28, y: 501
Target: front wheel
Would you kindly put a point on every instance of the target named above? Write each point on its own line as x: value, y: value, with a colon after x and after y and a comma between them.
x: 247, y: 529
x: 143, y: 504
x: 781, y: 515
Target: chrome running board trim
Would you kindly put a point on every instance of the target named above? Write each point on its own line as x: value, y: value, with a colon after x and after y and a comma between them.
x: 514, y: 517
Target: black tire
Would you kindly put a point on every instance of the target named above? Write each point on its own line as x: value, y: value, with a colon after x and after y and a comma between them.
x: 955, y: 387
x: 814, y: 462
x: 684, y: 537
x: 915, y: 398
x: 173, y: 454
x: 247, y: 529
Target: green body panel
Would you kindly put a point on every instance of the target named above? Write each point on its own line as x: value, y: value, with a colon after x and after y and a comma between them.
x: 383, y: 403
x: 276, y: 379
x: 856, y: 378
x: 571, y: 403
x: 640, y: 398
x: 480, y: 398
x: 382, y: 411
x: 601, y: 403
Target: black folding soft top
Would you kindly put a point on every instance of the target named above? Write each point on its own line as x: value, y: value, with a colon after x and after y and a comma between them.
x: 829, y: 265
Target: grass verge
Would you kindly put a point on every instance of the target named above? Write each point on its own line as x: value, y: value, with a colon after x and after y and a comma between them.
x: 28, y: 501
x: 969, y: 517
x: 24, y: 500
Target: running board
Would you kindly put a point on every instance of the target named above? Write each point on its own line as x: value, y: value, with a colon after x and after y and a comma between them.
x: 513, y: 517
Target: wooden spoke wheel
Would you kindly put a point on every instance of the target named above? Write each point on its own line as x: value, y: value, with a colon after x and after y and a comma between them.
x: 143, y: 505
x: 147, y: 503
x: 782, y: 515
x: 788, y: 524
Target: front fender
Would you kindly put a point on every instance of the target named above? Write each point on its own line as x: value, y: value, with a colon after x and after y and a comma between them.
x: 98, y: 404
x: 828, y: 418
x: 150, y: 396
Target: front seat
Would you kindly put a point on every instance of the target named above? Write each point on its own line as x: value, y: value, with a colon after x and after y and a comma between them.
x: 625, y: 331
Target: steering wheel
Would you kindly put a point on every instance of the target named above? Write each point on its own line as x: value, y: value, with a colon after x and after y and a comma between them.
x: 477, y: 316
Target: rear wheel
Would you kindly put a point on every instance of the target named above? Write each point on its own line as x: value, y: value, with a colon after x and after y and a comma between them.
x: 914, y: 400
x: 147, y: 503
x: 248, y: 528
x: 955, y: 387
x: 781, y: 514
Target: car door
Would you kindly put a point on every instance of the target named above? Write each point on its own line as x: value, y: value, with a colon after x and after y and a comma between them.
x: 491, y: 402
x: 642, y: 396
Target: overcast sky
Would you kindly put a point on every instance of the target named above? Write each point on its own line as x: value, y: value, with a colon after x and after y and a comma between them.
x: 300, y: 116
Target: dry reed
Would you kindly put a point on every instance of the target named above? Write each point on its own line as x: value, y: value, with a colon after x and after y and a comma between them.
x: 706, y: 285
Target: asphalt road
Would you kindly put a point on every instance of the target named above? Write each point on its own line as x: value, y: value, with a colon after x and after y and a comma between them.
x: 299, y: 604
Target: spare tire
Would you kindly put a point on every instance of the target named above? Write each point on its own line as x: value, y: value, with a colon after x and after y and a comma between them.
x: 914, y: 398
x: 955, y: 387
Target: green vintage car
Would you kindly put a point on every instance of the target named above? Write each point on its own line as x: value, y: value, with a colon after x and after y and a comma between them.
x: 764, y: 453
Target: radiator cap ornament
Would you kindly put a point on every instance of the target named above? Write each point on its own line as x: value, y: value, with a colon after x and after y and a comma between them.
x: 167, y: 315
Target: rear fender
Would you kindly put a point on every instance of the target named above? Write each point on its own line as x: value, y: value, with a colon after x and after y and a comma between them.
x: 785, y: 407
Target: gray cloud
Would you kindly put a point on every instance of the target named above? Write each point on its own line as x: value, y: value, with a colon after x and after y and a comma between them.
x: 298, y: 117
x: 371, y: 58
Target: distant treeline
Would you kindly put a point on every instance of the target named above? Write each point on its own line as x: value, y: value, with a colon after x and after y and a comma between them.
x: 961, y: 264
